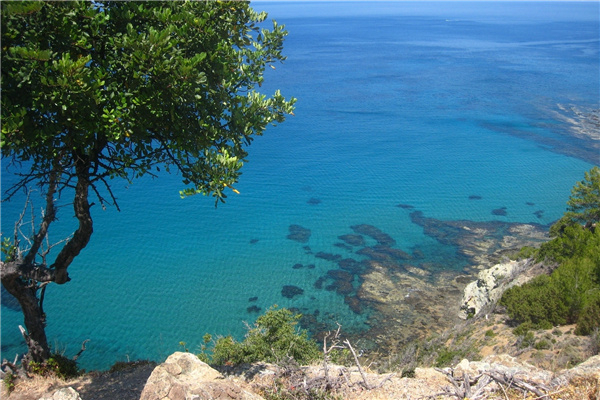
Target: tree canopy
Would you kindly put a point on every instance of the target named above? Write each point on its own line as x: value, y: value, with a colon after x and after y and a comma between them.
x: 98, y: 90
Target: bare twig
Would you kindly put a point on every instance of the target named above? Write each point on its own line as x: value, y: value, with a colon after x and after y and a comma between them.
x: 362, y: 373
x: 76, y: 356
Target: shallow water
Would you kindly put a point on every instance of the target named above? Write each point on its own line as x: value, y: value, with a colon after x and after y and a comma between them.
x: 445, y: 109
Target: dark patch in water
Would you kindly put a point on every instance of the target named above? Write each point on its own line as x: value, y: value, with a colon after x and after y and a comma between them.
x: 530, y: 203
x: 314, y: 201
x: 253, y: 309
x: 406, y: 206
x: 500, y: 211
x: 253, y: 298
x: 307, y: 249
x: 467, y: 235
x: 319, y: 283
x: 338, y: 274
x: 374, y: 232
x: 253, y: 241
x: 328, y: 256
x: 384, y: 253
x: 475, y: 197
x: 310, y: 266
x: 344, y: 246
x: 297, y: 266
x: 291, y: 291
x: 354, y: 304
x: 351, y: 265
x: 299, y: 233
x: 418, y: 253
x: 353, y: 240
x: 539, y: 213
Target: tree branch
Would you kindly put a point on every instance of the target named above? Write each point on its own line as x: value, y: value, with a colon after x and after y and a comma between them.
x: 82, y: 235
x: 49, y: 217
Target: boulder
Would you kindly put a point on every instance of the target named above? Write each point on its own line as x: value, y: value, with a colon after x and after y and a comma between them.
x: 67, y: 393
x: 490, y: 285
x: 184, y: 377
x: 589, y: 369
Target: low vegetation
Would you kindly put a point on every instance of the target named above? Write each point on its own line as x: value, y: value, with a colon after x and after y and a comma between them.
x: 274, y: 337
x: 571, y: 294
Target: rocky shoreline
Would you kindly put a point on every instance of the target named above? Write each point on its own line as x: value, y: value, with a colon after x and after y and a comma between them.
x: 412, y: 300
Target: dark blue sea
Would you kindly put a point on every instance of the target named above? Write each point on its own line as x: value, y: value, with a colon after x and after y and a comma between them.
x: 453, y: 109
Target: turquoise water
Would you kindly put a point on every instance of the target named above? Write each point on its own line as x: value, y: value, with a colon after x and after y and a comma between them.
x: 421, y: 104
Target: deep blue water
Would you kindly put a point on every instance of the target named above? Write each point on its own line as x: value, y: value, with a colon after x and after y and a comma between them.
x: 419, y: 103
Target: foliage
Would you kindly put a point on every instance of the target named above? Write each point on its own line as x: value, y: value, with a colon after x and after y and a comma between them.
x: 57, y: 365
x: 571, y: 294
x: 135, y: 85
x: 589, y: 319
x: 583, y: 206
x: 283, y: 391
x: 93, y: 91
x: 9, y: 381
x: 273, y: 338
x: 524, y: 253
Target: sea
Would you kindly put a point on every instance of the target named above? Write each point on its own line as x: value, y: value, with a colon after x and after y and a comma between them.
x: 480, y: 111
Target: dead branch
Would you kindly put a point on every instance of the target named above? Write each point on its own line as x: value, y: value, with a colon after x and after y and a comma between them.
x: 521, y: 384
x: 76, y: 356
x: 362, y: 373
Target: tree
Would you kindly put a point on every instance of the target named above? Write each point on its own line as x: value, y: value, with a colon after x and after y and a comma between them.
x: 98, y: 90
x: 583, y: 206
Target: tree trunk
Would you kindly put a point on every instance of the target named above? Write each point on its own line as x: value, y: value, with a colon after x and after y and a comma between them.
x: 34, y: 318
x: 22, y: 277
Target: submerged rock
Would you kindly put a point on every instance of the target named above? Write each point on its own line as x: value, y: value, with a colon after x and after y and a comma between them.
x: 328, y: 256
x: 291, y: 291
x: 354, y: 304
x: 314, y: 201
x: 253, y: 309
x: 375, y: 233
x: 299, y: 233
x: 353, y: 240
x: 500, y: 211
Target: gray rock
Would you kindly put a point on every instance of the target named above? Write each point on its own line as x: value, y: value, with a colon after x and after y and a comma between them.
x: 589, y: 369
x: 490, y: 285
x: 67, y: 393
x: 184, y: 377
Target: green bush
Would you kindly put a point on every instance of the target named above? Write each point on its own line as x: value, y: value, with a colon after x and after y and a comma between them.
x: 570, y: 294
x: 273, y: 338
x: 589, y: 319
x: 525, y: 252
x: 526, y: 341
x: 536, y: 302
x: 490, y: 333
x: 542, y: 345
x: 58, y: 365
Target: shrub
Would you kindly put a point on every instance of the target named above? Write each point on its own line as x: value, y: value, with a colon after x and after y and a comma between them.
x: 542, y: 345
x: 58, y: 365
x: 536, y: 302
x: 526, y: 341
x: 273, y: 338
x: 589, y: 319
